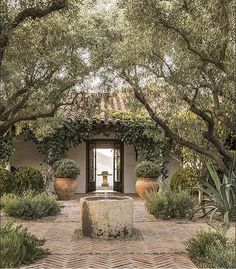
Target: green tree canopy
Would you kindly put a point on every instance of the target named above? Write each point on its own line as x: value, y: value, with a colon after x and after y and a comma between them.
x: 44, y: 59
x: 178, y: 57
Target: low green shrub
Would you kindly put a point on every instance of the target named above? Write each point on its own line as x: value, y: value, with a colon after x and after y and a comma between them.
x: 28, y: 178
x: 168, y: 204
x: 7, y: 183
x: 30, y: 205
x: 19, y: 247
x: 147, y: 169
x: 66, y: 168
x: 184, y: 179
x: 212, y: 249
x: 221, y: 256
x: 197, y: 246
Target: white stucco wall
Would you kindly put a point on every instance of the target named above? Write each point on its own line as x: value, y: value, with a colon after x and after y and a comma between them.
x: 129, y: 165
x: 78, y: 154
x: 26, y: 154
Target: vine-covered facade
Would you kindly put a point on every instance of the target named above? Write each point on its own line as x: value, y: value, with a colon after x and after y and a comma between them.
x: 130, y: 139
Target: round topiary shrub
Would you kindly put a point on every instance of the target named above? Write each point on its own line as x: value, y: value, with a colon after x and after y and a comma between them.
x: 7, y: 183
x: 184, y: 179
x: 66, y: 168
x: 28, y: 178
x: 147, y: 169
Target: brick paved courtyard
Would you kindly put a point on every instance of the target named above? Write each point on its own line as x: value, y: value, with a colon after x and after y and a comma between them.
x: 162, y: 247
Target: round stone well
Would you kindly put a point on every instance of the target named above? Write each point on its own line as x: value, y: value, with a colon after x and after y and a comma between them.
x: 106, y: 217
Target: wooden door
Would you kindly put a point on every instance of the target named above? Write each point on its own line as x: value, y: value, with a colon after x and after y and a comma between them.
x: 118, y: 167
x: 91, y: 167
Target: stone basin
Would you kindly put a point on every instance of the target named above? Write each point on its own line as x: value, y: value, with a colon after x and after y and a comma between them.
x: 106, y: 217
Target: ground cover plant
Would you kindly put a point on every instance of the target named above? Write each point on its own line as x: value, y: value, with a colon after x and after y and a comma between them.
x: 30, y: 206
x: 19, y: 247
x: 212, y: 249
x: 167, y: 204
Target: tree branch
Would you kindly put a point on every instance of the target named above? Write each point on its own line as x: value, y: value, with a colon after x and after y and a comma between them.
x: 34, y: 13
x: 204, y: 58
x: 29, y: 13
x: 210, y: 134
x: 48, y: 114
x: 168, y: 132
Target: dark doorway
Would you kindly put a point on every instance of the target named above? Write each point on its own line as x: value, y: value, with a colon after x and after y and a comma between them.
x: 104, y: 156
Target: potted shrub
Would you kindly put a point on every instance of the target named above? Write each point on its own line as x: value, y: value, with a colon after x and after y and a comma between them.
x: 147, y: 174
x: 66, y: 172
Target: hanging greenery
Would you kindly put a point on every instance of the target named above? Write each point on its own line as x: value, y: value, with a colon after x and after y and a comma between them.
x: 138, y: 130
x: 56, y: 144
x: 6, y: 147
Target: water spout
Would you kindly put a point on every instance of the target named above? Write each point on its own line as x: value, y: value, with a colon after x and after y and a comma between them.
x: 106, y: 192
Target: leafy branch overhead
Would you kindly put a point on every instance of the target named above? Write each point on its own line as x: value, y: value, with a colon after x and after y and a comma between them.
x: 32, y: 12
x: 178, y: 57
x: 41, y: 65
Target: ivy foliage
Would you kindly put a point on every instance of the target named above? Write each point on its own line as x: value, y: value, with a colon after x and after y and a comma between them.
x: 56, y: 144
x: 137, y: 130
x: 6, y: 147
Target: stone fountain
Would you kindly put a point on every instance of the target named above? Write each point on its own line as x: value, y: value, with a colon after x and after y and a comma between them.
x: 106, y: 217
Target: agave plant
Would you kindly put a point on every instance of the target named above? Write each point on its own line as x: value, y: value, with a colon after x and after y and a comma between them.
x: 220, y: 195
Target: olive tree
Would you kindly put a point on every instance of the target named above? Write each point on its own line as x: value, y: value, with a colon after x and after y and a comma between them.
x: 190, y: 52
x: 178, y: 58
x: 42, y: 64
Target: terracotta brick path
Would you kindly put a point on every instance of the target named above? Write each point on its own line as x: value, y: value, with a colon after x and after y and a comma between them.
x: 162, y: 247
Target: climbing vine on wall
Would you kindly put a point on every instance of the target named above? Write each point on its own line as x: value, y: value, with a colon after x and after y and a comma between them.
x: 56, y: 144
x: 137, y: 130
x: 6, y: 147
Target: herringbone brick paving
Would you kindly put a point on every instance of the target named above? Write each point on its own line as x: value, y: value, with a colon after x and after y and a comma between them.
x: 163, y: 245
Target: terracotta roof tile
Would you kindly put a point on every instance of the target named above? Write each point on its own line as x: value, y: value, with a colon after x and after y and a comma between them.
x: 98, y: 105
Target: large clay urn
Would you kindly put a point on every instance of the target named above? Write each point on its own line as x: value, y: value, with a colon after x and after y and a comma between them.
x: 66, y: 172
x: 65, y: 187
x: 147, y: 174
x: 145, y: 185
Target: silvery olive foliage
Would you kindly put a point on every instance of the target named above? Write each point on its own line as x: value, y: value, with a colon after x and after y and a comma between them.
x: 44, y: 59
x: 178, y: 59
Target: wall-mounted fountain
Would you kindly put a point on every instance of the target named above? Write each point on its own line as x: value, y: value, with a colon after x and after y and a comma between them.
x: 105, y: 183
x: 107, y: 217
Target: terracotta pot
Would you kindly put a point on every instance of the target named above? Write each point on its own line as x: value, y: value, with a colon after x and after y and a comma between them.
x: 65, y: 187
x: 145, y: 185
